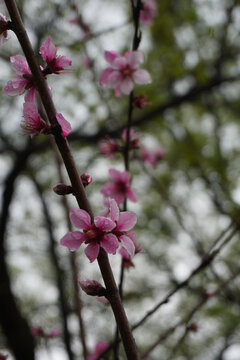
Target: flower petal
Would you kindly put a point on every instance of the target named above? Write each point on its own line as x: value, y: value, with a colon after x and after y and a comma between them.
x: 109, y: 243
x: 30, y: 95
x: 103, y: 223
x: 73, y: 240
x: 131, y: 195
x: 127, y: 244
x: 135, y: 58
x: 80, y: 218
x: 126, y: 85
x: 15, y: 87
x: 142, y: 77
x: 92, y: 251
x: 115, y: 175
x: 127, y: 220
x: 48, y: 50
x: 65, y: 125
x: 105, y: 76
x: 114, y: 210
x: 20, y: 65
x: 110, y: 56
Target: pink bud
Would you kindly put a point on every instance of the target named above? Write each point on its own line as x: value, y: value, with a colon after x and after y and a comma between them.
x: 140, y: 102
x: 91, y: 287
x: 193, y: 327
x: 37, y: 331
x: 62, y: 189
x: 86, y: 179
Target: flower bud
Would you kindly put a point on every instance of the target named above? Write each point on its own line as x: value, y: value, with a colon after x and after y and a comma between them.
x: 91, y: 287
x: 140, y: 102
x: 193, y: 327
x: 37, y: 331
x: 62, y: 189
x: 86, y: 179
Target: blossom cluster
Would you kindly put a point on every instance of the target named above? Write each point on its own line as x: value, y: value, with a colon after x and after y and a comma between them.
x: 23, y: 82
x: 110, y: 147
x: 106, y: 232
x: 38, y: 331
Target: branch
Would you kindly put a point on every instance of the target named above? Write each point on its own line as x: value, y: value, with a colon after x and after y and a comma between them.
x: 78, y: 189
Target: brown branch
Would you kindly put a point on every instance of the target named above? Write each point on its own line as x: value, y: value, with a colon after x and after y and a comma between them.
x: 112, y: 291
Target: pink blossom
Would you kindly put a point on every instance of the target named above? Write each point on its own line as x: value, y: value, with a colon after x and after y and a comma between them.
x: 33, y: 124
x: 87, y: 62
x: 140, y: 102
x: 100, y: 348
x: 86, y: 179
x: 91, y: 287
x: 94, y: 235
x: 4, y: 36
x: 23, y: 79
x: 124, y: 72
x: 125, y: 221
x: 55, y: 64
x: 148, y: 13
x: 127, y: 260
x: 152, y: 156
x: 54, y: 333
x: 120, y: 187
x: 134, y: 140
x: 109, y: 147
x: 37, y: 331
x: 65, y: 125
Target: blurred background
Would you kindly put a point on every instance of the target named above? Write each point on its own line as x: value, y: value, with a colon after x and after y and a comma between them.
x: 187, y: 198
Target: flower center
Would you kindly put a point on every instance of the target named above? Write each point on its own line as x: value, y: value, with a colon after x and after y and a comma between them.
x: 127, y: 71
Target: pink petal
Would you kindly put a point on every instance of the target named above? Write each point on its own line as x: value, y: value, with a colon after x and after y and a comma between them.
x: 92, y: 251
x: 30, y: 95
x: 115, y: 175
x: 101, y: 346
x: 131, y: 195
x: 30, y: 111
x: 125, y: 177
x: 119, y: 198
x: 118, y: 91
x: 127, y: 243
x: 141, y: 77
x: 110, y: 243
x: 126, y: 86
x: 14, y: 88
x: 73, y: 240
x: 109, y: 190
x: 119, y: 63
x: 80, y: 218
x: 127, y: 220
x: 114, y: 210
x: 135, y: 58
x: 20, y: 65
x: 105, y: 75
x: 104, y: 223
x: 63, y: 61
x: 110, y: 56
x: 65, y: 125
x: 114, y: 79
x: 48, y: 50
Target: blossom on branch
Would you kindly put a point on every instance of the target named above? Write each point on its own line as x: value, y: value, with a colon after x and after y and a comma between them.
x: 65, y: 125
x: 100, y: 348
x: 23, y: 79
x: 4, y: 36
x: 94, y: 235
x: 152, y: 156
x: 125, y: 221
x: 33, y: 124
x: 55, y: 64
x: 91, y: 287
x: 148, y: 13
x: 120, y: 187
x: 124, y: 72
